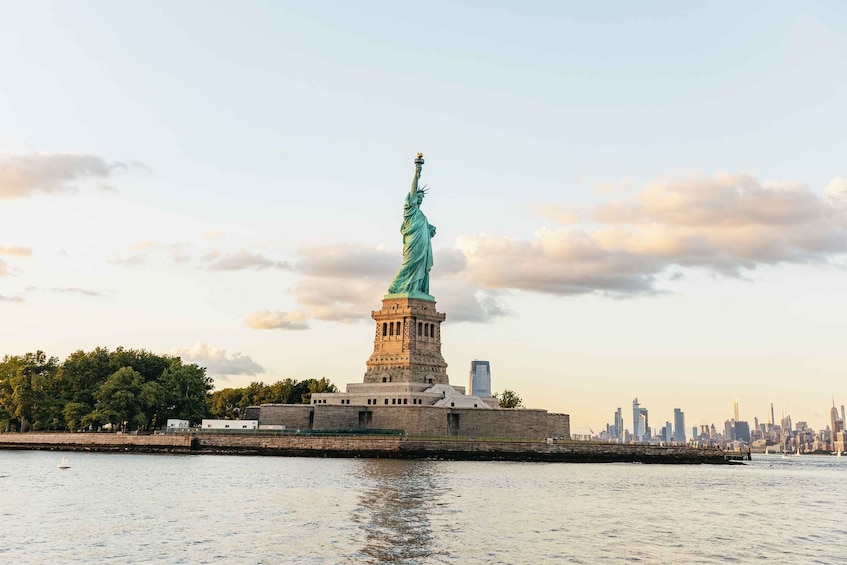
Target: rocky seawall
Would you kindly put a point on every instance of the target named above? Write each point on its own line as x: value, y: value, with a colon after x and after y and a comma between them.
x: 459, y: 449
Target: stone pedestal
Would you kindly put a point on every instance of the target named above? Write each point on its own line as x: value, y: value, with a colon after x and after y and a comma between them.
x: 407, y: 343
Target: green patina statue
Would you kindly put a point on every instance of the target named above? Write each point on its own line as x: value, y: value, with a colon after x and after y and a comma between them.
x: 412, y: 278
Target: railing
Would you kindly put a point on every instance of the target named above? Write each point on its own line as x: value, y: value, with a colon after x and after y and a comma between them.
x: 369, y: 432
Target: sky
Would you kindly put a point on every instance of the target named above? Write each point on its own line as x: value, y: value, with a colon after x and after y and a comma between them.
x: 632, y: 199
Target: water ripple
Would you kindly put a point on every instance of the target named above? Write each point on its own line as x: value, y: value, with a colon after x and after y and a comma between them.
x: 118, y: 508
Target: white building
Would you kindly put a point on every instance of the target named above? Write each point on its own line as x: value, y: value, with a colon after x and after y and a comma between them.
x: 230, y: 424
x: 174, y: 424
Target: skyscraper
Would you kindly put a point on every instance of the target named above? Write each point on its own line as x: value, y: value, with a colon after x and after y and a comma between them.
x: 678, y: 425
x: 741, y: 431
x: 735, y: 409
x: 729, y: 430
x: 619, y: 423
x: 479, y: 381
x: 640, y: 423
x: 667, y: 432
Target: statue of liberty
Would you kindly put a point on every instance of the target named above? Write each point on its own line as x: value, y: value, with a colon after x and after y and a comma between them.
x: 412, y: 277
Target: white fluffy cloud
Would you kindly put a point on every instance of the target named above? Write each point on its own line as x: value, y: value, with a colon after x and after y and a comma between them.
x: 725, y: 223
x: 217, y: 362
x: 24, y: 175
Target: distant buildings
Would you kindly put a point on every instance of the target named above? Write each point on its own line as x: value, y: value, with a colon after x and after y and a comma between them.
x: 736, y: 434
x: 667, y: 432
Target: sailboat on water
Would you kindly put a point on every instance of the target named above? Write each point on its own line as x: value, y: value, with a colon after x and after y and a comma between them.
x: 65, y: 463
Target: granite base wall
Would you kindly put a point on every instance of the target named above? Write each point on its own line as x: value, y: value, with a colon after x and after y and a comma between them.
x: 170, y: 443
x: 461, y: 450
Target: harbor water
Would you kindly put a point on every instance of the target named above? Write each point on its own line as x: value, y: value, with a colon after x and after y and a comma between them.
x: 132, y: 508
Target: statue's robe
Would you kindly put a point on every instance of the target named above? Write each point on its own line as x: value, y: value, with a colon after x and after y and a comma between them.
x: 413, y: 275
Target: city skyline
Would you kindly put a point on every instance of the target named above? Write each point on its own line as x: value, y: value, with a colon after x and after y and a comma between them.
x: 632, y: 201
x: 681, y: 432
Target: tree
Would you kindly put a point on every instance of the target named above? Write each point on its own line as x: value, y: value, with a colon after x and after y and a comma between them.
x: 225, y: 404
x: 232, y: 402
x: 509, y: 399
x: 186, y: 392
x: 27, y: 384
x: 74, y: 412
x: 98, y: 387
x: 317, y: 386
x: 117, y: 398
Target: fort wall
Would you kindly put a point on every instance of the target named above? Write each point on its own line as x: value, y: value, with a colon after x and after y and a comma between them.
x: 420, y: 420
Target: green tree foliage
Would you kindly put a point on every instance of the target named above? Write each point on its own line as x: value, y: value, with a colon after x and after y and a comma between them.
x: 230, y: 403
x: 509, y: 399
x: 27, y: 388
x: 126, y: 388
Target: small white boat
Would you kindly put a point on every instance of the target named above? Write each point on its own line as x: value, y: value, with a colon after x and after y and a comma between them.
x: 65, y: 463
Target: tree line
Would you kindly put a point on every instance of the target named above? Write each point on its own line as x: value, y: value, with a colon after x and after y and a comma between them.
x: 230, y: 403
x: 125, y: 389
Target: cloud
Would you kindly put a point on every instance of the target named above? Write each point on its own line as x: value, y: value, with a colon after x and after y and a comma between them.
x: 18, y: 299
x: 52, y: 173
x: 344, y: 283
x: 143, y: 252
x: 17, y: 250
x: 135, y: 260
x: 182, y: 253
x: 67, y: 290
x: 727, y: 224
x: 346, y: 260
x: 12, y: 251
x: 464, y: 302
x: 276, y: 320
x: 240, y: 260
x: 217, y: 362
x: 721, y: 200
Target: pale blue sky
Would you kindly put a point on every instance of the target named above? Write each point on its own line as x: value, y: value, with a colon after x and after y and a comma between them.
x: 261, y: 142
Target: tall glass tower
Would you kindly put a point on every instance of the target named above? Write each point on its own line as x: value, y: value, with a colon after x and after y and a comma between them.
x: 479, y: 381
x: 640, y: 424
x: 678, y: 425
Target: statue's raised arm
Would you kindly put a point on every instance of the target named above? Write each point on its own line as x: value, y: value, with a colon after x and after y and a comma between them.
x: 412, y: 277
x: 418, y: 167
